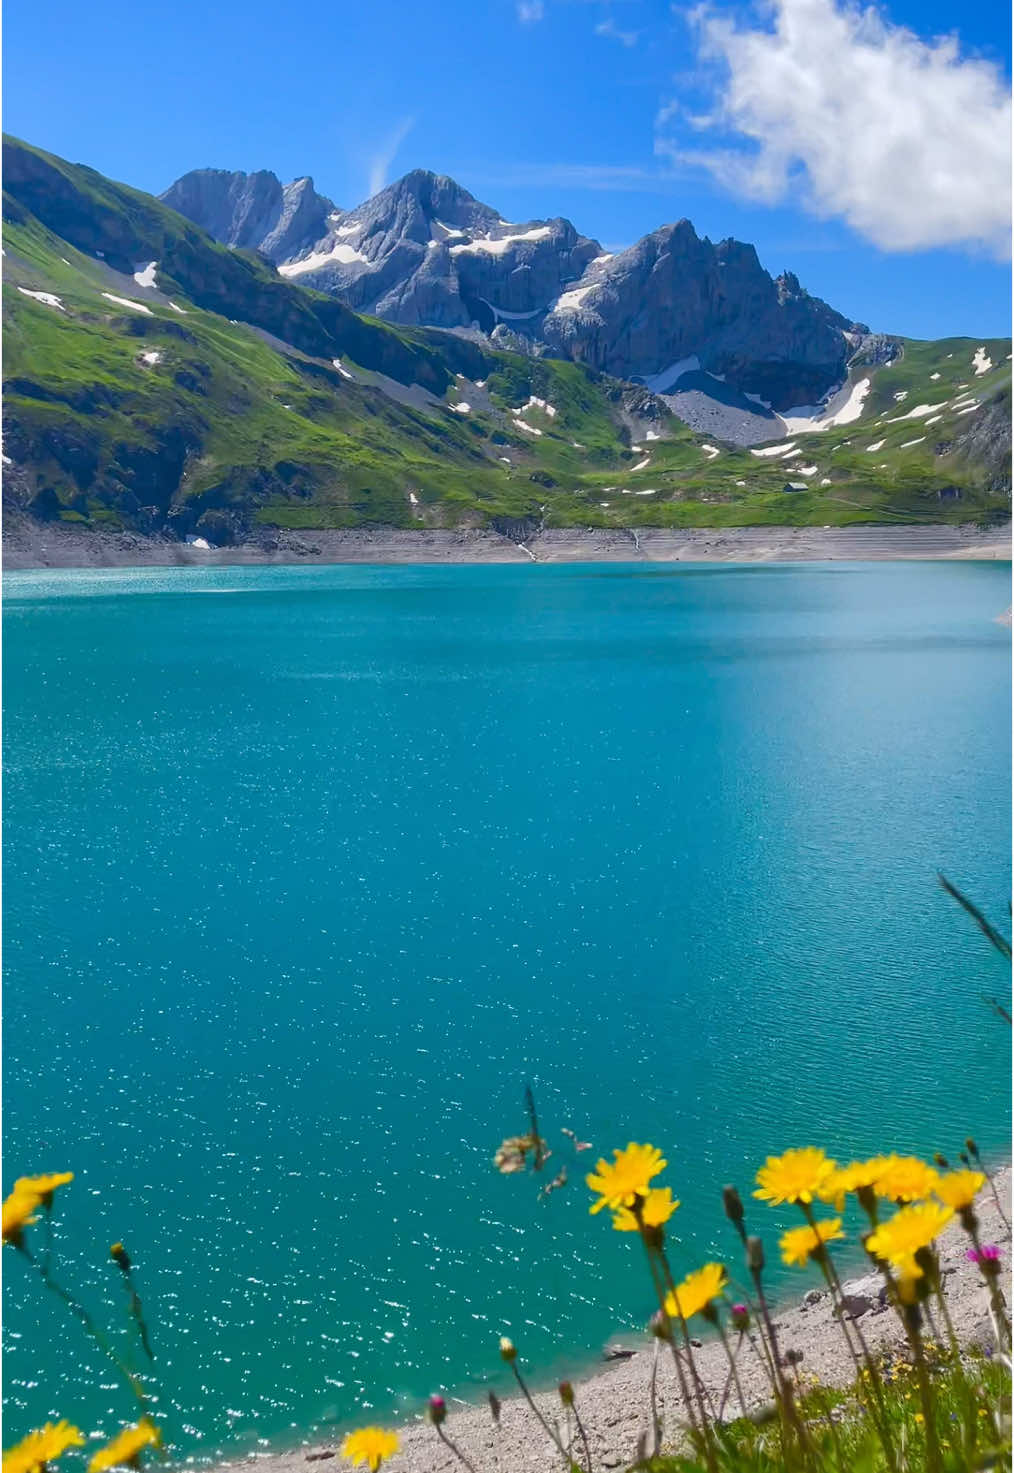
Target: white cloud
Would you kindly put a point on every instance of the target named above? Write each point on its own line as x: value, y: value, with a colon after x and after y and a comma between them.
x: 907, y: 140
x: 530, y: 11
x: 384, y: 157
x: 609, y: 28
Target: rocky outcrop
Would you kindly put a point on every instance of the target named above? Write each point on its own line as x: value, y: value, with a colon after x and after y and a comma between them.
x: 986, y: 443
x: 252, y: 211
x: 671, y: 298
x: 426, y: 252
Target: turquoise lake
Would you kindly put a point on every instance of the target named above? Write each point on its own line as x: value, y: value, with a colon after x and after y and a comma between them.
x: 309, y: 870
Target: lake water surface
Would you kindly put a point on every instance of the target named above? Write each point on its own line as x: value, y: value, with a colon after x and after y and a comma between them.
x: 309, y: 870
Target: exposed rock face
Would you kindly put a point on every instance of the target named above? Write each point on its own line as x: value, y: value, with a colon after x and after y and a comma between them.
x: 425, y: 252
x: 253, y: 211
x: 987, y: 441
x: 672, y: 297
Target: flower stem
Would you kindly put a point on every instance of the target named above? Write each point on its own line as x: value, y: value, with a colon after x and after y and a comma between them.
x: 90, y: 1327
x: 733, y: 1371
x: 528, y: 1397
x: 584, y: 1439
x: 667, y: 1322
x: 454, y: 1449
x: 698, y: 1384
x: 970, y: 1223
x: 835, y: 1285
x: 656, y: 1424
x: 783, y: 1387
x: 933, y: 1458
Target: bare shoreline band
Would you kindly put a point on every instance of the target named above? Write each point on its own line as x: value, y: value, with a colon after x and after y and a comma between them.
x: 38, y: 545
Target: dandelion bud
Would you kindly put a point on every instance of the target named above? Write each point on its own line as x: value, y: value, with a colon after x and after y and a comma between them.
x: 971, y: 1147
x: 907, y: 1290
x: 494, y: 1407
x: 755, y: 1255
x: 867, y: 1199
x: 566, y: 1391
x: 732, y: 1204
x: 120, y: 1257
x: 436, y: 1410
x: 939, y: 1159
x: 740, y: 1316
x: 507, y: 1350
x: 659, y: 1326
x: 963, y: 1158
x: 927, y: 1261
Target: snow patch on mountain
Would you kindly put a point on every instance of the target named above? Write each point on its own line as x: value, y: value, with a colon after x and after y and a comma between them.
x: 571, y: 301
x: 498, y: 246
x: 843, y: 408
x: 126, y: 302
x: 344, y: 255
x: 786, y: 449
x: 981, y: 362
x: 46, y: 298
x: 659, y: 383
x: 919, y: 412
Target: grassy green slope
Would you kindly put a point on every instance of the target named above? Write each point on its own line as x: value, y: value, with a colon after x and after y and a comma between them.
x: 221, y: 407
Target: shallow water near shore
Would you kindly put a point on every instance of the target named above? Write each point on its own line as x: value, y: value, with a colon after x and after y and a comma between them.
x: 304, y: 881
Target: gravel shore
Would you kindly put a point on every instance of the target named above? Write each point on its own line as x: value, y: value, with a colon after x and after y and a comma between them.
x: 31, y: 544
x: 613, y: 1401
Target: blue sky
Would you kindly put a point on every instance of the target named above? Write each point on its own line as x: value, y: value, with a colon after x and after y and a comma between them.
x: 860, y: 150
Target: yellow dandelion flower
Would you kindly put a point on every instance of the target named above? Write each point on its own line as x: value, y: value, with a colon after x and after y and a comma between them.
x: 696, y: 1291
x: 795, y: 1176
x: 905, y: 1179
x: 898, y: 1240
x: 126, y: 1447
x: 370, y: 1445
x: 959, y: 1189
x: 18, y: 1213
x: 41, y: 1447
x: 628, y: 1176
x: 850, y: 1178
x: 44, y: 1186
x: 657, y: 1208
x: 799, y: 1243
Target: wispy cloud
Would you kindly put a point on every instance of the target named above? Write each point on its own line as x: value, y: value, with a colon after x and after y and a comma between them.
x: 906, y: 140
x: 530, y: 11
x: 610, y: 28
x: 385, y: 154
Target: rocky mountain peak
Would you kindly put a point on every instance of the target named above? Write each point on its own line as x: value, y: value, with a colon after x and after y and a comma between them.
x: 252, y: 211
